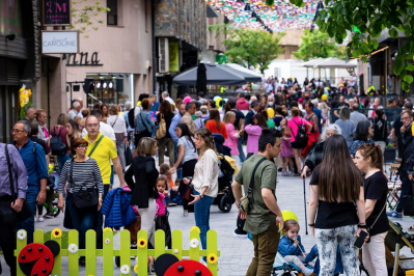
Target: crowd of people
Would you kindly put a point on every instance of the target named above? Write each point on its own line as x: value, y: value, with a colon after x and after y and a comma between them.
x: 298, y: 130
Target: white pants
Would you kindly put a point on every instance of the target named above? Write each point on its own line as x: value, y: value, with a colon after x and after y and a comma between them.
x: 373, y: 255
x: 237, y: 159
x: 147, y: 219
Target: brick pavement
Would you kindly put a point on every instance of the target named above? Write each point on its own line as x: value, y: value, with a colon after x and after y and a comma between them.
x: 236, y: 254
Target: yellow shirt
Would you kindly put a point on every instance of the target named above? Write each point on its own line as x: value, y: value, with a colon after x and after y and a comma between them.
x: 103, y: 154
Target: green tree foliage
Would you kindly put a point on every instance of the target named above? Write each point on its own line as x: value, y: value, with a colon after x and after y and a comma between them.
x: 317, y: 44
x: 250, y: 47
x: 85, y: 16
x: 372, y: 17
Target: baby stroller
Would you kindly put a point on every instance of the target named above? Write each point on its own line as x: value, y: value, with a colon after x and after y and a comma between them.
x: 281, y: 267
x: 225, y: 198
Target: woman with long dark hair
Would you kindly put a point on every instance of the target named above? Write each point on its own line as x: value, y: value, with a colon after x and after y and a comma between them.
x: 215, y: 125
x: 368, y: 159
x: 105, y: 112
x: 363, y: 133
x: 187, y: 156
x: 166, y: 141
x: 335, y: 187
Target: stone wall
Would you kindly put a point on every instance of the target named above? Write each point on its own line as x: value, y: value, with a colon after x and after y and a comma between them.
x: 182, y: 19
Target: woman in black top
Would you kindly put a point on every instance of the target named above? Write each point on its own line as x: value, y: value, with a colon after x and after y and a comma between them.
x: 380, y: 129
x: 279, y: 118
x: 368, y: 159
x: 336, y: 185
x: 144, y: 191
x: 167, y: 114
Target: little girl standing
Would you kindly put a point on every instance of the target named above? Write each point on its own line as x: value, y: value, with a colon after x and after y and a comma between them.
x: 161, y: 222
x: 286, y: 152
x: 291, y: 248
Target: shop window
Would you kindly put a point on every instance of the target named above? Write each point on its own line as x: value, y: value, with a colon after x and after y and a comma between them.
x: 112, y: 15
x: 11, y: 18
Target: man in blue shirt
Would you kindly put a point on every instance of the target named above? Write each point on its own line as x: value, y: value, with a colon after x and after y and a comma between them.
x: 174, y: 122
x: 34, y: 160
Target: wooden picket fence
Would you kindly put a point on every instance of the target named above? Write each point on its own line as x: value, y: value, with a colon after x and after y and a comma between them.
x: 124, y: 252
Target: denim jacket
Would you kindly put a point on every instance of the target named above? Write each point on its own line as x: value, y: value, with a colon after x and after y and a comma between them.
x: 144, y: 121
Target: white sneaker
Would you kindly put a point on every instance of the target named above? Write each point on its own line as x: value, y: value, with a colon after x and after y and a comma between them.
x: 185, y: 213
x: 41, y: 219
x: 35, y: 220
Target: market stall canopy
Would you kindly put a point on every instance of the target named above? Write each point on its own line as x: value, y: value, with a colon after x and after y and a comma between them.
x: 335, y: 63
x: 248, y: 75
x: 216, y: 75
x: 313, y: 62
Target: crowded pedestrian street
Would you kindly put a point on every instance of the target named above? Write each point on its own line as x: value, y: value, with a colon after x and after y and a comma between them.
x: 206, y: 138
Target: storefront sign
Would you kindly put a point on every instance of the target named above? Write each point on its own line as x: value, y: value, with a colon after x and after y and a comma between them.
x: 174, y: 56
x: 83, y: 59
x: 60, y: 42
x: 56, y: 12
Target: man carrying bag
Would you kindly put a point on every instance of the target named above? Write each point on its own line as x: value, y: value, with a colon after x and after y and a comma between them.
x: 11, y: 200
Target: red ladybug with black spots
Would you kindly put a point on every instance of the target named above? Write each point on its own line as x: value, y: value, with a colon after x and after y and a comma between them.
x: 169, y: 265
x: 37, y: 259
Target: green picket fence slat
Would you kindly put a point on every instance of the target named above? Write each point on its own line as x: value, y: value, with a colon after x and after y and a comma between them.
x: 73, y: 258
x: 124, y: 252
x: 90, y: 254
x: 108, y: 252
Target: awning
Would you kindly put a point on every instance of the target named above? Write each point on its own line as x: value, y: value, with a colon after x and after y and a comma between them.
x: 211, y: 13
x: 216, y: 75
x: 248, y: 75
x: 335, y: 63
x: 313, y: 62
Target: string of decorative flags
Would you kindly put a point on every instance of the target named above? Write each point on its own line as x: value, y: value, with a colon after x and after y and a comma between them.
x: 255, y: 14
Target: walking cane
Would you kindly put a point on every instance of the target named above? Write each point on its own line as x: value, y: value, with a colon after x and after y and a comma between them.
x: 304, y: 200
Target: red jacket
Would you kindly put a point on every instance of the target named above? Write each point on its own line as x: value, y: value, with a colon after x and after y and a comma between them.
x: 242, y: 104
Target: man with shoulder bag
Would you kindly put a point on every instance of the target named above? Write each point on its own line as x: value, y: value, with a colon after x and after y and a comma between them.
x: 259, y: 207
x: 13, y: 185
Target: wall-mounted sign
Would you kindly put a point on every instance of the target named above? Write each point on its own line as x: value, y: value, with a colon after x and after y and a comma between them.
x: 60, y: 42
x: 56, y: 12
x: 83, y: 59
x: 174, y: 56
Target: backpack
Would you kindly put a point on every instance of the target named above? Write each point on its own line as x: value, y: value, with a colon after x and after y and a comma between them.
x: 56, y: 145
x: 301, y: 137
x: 162, y: 128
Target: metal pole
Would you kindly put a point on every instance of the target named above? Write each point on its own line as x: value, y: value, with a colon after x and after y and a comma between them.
x: 304, y: 200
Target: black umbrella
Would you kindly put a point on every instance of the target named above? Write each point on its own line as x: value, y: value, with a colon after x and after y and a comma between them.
x: 215, y: 74
x: 201, y: 84
x: 248, y: 76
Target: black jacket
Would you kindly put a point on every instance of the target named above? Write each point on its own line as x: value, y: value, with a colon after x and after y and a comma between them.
x: 144, y: 187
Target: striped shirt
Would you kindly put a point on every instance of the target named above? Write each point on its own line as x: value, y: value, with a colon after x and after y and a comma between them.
x: 85, y: 174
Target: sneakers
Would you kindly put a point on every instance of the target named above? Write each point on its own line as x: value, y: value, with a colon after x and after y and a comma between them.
x: 285, y: 173
x: 307, y: 271
x: 185, y: 213
x: 394, y: 214
x: 171, y: 204
x: 240, y: 233
x: 41, y: 219
x: 49, y: 216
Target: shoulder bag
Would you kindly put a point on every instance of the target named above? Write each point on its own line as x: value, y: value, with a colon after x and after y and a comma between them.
x: 118, y: 136
x: 162, y: 129
x: 26, y: 212
x: 246, y: 201
x: 85, y: 198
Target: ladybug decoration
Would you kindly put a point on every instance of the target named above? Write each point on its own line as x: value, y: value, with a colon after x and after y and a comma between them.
x: 37, y: 259
x: 169, y: 265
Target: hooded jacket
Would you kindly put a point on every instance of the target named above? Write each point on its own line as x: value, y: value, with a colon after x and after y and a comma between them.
x: 242, y: 104
x: 144, y: 187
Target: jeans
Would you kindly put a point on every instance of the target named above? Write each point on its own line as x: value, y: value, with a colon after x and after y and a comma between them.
x: 240, y: 147
x: 28, y: 225
x: 82, y: 220
x: 179, y: 171
x: 99, y: 221
x: 8, y: 222
x: 62, y: 160
x: 373, y: 255
x: 406, y: 189
x: 120, y: 148
x: 162, y: 143
x: 327, y: 239
x: 202, y: 216
x: 265, y: 249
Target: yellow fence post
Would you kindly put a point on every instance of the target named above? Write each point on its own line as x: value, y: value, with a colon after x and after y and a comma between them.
x: 195, y: 245
x: 108, y: 252
x: 142, y: 253
x: 177, y: 244
x: 159, y: 243
x: 21, y: 242
x: 90, y: 252
x: 125, y: 252
x: 57, y: 267
x: 73, y: 253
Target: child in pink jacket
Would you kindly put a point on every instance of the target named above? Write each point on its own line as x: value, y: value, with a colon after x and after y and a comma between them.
x: 233, y: 136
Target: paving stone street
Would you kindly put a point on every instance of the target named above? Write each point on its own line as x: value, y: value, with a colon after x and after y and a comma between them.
x: 236, y: 254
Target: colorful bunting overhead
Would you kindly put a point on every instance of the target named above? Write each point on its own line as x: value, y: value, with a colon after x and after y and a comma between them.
x: 278, y: 17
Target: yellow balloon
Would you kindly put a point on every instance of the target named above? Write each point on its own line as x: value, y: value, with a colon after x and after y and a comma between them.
x: 324, y: 97
x: 288, y: 215
x: 270, y: 113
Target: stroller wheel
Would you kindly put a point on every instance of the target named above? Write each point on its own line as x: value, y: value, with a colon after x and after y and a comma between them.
x: 225, y: 204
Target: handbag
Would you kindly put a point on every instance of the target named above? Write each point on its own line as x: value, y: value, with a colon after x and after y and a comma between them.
x: 118, y: 136
x: 84, y: 198
x: 162, y: 129
x: 375, y: 221
x: 25, y: 212
x: 246, y: 201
